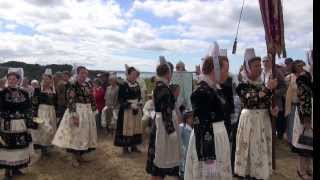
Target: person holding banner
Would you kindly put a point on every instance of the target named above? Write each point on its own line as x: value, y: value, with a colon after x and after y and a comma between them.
x: 253, y: 157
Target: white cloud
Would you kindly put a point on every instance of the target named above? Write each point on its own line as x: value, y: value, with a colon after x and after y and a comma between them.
x: 159, y: 8
x: 45, y: 2
x: 92, y: 32
x: 10, y: 26
x: 212, y: 20
x: 141, y: 32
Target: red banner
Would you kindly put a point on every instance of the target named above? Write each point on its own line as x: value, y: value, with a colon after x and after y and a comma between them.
x: 272, y: 17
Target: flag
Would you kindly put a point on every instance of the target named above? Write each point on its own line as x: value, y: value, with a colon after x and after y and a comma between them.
x: 272, y: 17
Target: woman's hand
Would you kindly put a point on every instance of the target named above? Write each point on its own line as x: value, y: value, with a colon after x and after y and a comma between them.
x: 307, y: 123
x: 134, y: 106
x: 272, y: 84
x: 275, y: 111
x: 75, y: 121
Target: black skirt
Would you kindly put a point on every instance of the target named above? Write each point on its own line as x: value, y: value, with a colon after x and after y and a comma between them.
x: 151, y: 168
x: 120, y: 139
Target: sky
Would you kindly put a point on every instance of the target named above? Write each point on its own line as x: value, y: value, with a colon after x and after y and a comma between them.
x: 105, y: 35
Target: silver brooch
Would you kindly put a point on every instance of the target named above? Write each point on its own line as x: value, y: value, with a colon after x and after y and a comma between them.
x: 196, y: 120
x: 207, y: 137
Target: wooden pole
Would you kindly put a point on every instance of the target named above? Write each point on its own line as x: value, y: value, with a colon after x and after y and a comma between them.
x: 273, y: 119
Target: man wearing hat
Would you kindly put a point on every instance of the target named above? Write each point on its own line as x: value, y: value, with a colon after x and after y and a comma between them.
x: 180, y: 67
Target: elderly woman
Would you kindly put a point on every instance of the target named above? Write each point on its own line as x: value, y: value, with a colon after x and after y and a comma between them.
x: 208, y: 155
x: 111, y: 100
x: 180, y: 67
x: 15, y: 124
x: 44, y: 102
x: 253, y: 156
x: 129, y: 127
x: 77, y: 132
x: 35, y: 84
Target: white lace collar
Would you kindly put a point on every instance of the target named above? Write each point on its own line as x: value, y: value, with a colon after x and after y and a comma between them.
x: 163, y: 80
x: 206, y: 79
x: 132, y: 84
x: 246, y: 79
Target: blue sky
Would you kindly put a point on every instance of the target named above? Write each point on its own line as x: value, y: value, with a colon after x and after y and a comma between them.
x: 105, y: 34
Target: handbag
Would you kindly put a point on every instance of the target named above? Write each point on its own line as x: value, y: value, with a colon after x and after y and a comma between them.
x: 306, y: 138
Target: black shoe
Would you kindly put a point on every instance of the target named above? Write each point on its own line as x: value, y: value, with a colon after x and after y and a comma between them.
x: 125, y: 150
x: 280, y: 136
x: 8, y: 175
x: 17, y: 172
x: 45, y: 151
x: 135, y: 149
x: 8, y: 178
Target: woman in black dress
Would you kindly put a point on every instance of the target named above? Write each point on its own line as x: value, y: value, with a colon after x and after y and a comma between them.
x: 164, y: 145
x: 129, y: 127
x: 303, y: 121
x: 15, y: 124
x: 44, y: 102
x: 208, y: 155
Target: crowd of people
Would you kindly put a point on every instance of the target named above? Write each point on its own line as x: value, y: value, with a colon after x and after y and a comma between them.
x: 227, y: 132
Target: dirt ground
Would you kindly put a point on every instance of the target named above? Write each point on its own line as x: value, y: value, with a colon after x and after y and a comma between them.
x: 109, y: 164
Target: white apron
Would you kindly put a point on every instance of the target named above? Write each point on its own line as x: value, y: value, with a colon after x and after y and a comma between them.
x: 298, y: 129
x: 167, y: 147
x: 194, y: 169
x: 45, y: 132
x: 77, y: 138
x: 254, y: 144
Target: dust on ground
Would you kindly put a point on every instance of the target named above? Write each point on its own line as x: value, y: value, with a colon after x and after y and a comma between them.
x: 108, y: 163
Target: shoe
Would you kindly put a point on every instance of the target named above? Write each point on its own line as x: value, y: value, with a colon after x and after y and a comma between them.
x: 135, y: 149
x: 17, y: 172
x: 280, y: 136
x: 8, y: 175
x: 304, y: 176
x: 83, y: 160
x: 45, y: 152
x: 310, y: 173
x: 75, y: 162
x: 125, y: 150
